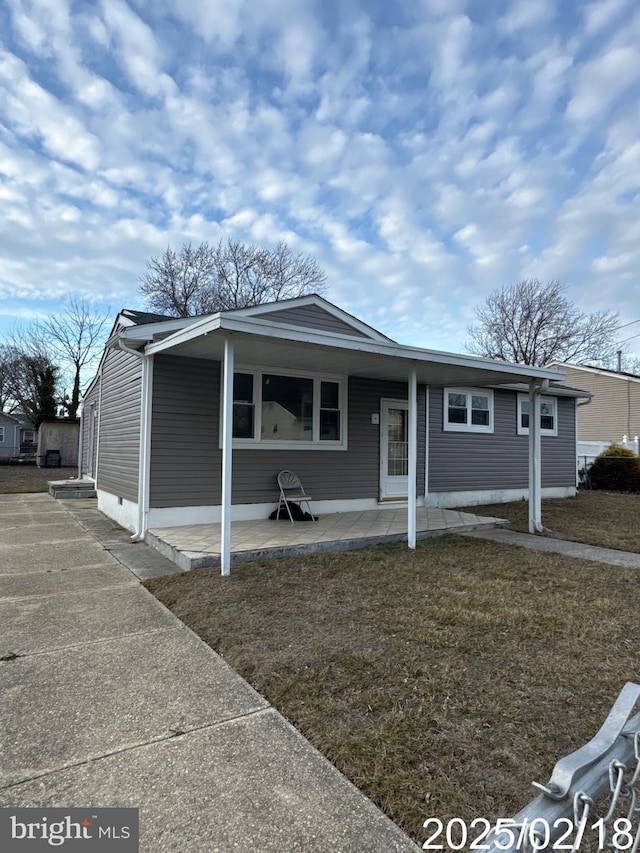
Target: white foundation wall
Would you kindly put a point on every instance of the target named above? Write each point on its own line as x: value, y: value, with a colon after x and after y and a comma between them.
x: 122, y: 511
x: 180, y: 516
x: 493, y: 496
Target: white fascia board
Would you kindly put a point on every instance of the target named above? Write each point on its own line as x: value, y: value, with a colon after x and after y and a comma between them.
x: 319, y: 302
x: 202, y: 327
x: 552, y: 390
x: 385, y: 347
x: 146, y: 331
x: 263, y: 328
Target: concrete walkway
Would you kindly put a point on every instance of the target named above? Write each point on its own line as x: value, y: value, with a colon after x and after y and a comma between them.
x: 107, y: 699
x: 560, y: 546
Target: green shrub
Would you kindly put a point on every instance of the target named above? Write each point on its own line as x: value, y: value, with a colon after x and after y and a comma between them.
x: 616, y: 470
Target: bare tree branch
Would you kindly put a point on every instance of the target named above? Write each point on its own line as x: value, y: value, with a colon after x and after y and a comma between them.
x: 534, y: 323
x: 230, y: 275
x: 75, y: 338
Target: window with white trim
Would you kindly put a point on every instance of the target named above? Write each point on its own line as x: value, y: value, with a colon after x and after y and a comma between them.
x: 548, y: 415
x: 1, y: 435
x: 288, y: 409
x: 468, y: 410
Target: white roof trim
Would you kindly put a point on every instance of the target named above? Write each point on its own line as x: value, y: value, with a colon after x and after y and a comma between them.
x: 262, y: 328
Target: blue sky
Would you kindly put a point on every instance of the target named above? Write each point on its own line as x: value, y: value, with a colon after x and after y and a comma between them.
x: 424, y: 152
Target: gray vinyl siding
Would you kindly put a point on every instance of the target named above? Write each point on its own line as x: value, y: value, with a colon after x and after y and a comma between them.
x: 186, y: 459
x: 90, y: 399
x: 312, y: 317
x: 614, y: 410
x: 467, y: 461
x: 119, y: 449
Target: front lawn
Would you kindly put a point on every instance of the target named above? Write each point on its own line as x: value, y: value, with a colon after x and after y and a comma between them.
x: 609, y: 519
x: 441, y: 681
x: 26, y: 478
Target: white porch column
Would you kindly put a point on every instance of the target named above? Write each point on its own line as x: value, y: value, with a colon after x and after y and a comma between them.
x: 227, y: 456
x: 413, y: 459
x: 535, y: 461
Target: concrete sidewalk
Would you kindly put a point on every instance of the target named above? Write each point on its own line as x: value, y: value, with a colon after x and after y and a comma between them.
x: 560, y: 546
x: 107, y: 699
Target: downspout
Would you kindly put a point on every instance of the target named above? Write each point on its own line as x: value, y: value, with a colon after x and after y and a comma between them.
x: 145, y: 438
x: 584, y: 403
x: 80, y: 443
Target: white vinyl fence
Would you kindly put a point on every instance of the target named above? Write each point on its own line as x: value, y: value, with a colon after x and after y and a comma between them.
x: 588, y: 450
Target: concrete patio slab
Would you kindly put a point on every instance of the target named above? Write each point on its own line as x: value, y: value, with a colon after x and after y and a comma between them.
x: 248, y: 784
x: 147, y: 687
x: 33, y: 558
x: 64, y: 580
x: 43, y: 623
x: 198, y: 545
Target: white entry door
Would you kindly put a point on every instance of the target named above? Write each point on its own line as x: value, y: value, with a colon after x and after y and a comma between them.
x: 394, y: 449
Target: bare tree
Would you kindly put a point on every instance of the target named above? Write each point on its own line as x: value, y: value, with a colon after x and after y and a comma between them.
x: 534, y: 323
x: 230, y: 275
x: 176, y: 282
x: 74, y: 337
x: 8, y: 402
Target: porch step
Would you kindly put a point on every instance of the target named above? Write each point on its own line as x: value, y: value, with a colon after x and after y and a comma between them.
x: 72, y: 489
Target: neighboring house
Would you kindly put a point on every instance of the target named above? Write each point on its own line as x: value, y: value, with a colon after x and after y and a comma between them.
x: 189, y: 420
x: 614, y: 410
x: 17, y: 436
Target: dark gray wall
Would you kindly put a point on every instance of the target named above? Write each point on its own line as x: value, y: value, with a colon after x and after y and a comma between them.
x: 312, y: 317
x: 464, y: 461
x: 186, y: 459
x: 120, y: 425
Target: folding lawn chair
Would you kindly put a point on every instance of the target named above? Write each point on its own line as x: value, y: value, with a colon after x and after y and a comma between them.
x: 292, y: 492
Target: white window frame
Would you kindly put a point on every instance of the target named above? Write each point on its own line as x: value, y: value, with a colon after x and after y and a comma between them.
x: 316, y: 443
x: 1, y: 435
x: 468, y: 426
x: 525, y: 430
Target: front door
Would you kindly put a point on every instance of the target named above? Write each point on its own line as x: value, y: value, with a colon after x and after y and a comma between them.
x: 394, y: 449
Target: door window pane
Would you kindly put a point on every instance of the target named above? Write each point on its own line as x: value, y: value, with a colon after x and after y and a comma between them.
x: 398, y: 444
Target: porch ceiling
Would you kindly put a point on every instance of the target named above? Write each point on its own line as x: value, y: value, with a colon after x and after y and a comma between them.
x: 353, y: 358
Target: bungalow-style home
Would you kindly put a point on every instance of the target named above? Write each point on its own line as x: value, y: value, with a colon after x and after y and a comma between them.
x: 189, y: 421
x: 17, y: 436
x: 614, y: 410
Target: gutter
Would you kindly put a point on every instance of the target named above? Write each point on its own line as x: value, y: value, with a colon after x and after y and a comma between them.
x: 145, y: 438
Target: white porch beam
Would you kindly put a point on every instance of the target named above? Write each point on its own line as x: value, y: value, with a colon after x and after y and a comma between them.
x: 227, y: 456
x: 413, y: 459
x: 535, y: 456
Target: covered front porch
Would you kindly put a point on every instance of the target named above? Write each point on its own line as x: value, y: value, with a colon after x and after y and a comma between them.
x: 200, y: 545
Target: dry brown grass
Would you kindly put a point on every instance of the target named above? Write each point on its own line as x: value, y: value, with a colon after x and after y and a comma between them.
x: 440, y: 681
x: 28, y: 478
x: 611, y: 520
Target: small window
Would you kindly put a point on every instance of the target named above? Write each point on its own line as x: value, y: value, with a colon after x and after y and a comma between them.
x: 1, y: 435
x: 243, y: 406
x: 548, y: 415
x: 468, y: 410
x: 329, y: 411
